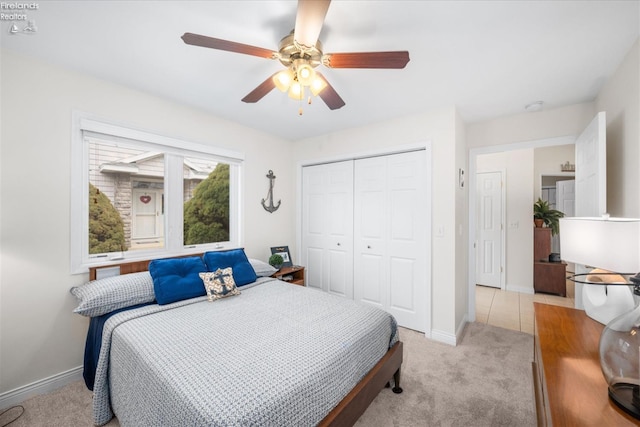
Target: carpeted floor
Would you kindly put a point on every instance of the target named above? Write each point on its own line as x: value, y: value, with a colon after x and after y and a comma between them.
x: 484, y: 381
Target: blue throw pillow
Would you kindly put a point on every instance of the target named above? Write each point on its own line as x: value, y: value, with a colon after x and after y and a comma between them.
x: 176, y: 279
x: 243, y: 273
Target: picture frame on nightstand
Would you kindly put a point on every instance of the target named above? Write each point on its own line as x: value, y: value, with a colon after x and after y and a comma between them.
x: 283, y: 251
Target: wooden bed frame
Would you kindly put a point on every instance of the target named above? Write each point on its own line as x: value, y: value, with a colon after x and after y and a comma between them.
x: 347, y: 412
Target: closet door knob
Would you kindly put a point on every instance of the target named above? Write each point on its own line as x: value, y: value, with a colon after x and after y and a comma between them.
x: 368, y: 246
x: 338, y: 243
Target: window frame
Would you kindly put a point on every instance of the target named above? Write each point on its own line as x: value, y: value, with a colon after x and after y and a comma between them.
x: 87, y: 127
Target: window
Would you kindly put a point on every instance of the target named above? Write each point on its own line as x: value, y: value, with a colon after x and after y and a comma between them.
x: 137, y: 195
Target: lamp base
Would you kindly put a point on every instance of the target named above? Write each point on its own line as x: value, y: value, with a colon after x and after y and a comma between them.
x: 627, y: 397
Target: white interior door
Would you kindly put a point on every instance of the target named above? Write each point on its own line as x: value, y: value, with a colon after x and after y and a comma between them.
x: 489, y: 228
x: 390, y: 236
x: 327, y: 227
x: 591, y: 178
x: 565, y: 203
x: 566, y: 197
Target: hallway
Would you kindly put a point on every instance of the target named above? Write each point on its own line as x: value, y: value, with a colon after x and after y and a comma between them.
x: 514, y: 310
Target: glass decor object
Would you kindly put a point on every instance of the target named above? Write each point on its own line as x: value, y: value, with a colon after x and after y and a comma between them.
x: 620, y: 357
x: 611, y: 244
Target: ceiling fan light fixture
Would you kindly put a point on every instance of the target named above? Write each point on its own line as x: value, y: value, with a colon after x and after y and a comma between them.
x: 306, y: 74
x: 317, y: 85
x: 283, y: 80
x: 296, y: 91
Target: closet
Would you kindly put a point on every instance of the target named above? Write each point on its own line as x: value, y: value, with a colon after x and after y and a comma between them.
x: 364, y: 232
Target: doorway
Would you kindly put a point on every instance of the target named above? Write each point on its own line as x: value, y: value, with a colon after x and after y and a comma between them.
x: 518, y: 225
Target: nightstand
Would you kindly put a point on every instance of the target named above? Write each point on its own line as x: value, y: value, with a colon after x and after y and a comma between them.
x: 293, y: 275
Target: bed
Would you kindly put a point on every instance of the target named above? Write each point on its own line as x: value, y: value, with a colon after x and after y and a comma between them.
x: 276, y: 354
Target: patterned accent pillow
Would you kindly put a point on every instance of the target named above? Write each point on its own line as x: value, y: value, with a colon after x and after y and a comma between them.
x: 219, y: 284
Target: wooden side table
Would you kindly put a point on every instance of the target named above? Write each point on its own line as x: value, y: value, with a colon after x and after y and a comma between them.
x: 569, y: 387
x: 293, y: 275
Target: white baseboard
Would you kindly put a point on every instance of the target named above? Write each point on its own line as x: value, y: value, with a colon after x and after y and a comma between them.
x: 521, y: 289
x: 46, y: 385
x: 461, y: 327
x: 443, y: 337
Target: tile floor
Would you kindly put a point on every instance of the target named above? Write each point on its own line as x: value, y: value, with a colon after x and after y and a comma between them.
x: 514, y: 310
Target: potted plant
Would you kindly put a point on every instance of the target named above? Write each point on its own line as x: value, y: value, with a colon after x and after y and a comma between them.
x: 544, y: 215
x: 276, y: 261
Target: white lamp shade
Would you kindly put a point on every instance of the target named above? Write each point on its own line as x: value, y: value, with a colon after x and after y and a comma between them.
x: 609, y: 243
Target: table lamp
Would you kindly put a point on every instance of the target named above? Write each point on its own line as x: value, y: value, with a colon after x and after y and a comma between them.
x: 611, y: 244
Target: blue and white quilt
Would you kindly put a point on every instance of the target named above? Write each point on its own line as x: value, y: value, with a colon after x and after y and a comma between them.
x: 277, y: 354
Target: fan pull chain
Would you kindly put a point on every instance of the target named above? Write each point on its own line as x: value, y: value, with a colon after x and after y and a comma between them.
x: 300, y: 100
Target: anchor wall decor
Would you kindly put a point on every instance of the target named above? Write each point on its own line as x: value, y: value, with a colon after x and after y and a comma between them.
x: 270, y: 207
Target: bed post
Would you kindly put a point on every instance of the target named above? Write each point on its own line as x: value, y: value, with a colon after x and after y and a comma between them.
x: 396, y: 379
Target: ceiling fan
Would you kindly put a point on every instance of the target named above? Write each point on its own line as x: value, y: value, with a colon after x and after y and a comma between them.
x: 301, y: 52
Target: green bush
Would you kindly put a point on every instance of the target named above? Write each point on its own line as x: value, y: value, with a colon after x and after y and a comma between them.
x: 206, y: 215
x: 106, y: 229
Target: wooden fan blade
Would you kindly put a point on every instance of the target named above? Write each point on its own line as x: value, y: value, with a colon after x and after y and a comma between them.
x: 258, y: 93
x: 395, y: 59
x: 329, y: 95
x: 309, y: 21
x: 213, y: 43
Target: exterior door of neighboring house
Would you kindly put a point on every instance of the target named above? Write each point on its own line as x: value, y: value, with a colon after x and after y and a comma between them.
x: 148, y: 217
x: 591, y: 179
x: 489, y: 201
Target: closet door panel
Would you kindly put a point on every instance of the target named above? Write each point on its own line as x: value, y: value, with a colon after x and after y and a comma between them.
x: 407, y: 243
x: 371, y: 280
x: 370, y: 229
x: 389, y: 231
x: 327, y: 227
x: 314, y: 226
x: 313, y: 267
x: 402, y: 298
x: 338, y: 273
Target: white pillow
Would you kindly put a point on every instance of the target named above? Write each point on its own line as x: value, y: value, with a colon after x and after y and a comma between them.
x: 103, y: 296
x: 261, y: 268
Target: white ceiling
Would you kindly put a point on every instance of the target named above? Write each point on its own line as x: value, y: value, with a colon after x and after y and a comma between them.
x: 489, y: 58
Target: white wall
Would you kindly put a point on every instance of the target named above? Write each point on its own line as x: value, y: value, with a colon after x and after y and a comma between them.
x: 548, y: 123
x: 620, y: 98
x: 39, y: 335
x: 462, y: 229
x: 439, y: 127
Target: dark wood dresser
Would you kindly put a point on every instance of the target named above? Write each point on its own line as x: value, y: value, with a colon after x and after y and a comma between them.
x: 570, y: 389
x: 549, y: 277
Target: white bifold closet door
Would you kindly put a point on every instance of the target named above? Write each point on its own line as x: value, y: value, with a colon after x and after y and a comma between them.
x: 390, y: 236
x: 364, y: 232
x: 327, y: 227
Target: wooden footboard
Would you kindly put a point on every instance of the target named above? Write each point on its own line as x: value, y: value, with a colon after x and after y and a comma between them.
x: 358, y: 400
x: 347, y: 412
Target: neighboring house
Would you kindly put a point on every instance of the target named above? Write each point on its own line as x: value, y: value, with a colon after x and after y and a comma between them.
x: 133, y: 182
